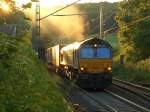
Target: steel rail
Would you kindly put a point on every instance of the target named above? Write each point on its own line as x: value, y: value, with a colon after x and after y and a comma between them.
x: 107, y: 107
x: 137, y: 86
x: 136, y: 89
x: 130, y: 103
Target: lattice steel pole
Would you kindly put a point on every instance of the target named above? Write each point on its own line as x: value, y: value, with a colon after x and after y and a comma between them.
x: 101, y: 19
x: 37, y: 26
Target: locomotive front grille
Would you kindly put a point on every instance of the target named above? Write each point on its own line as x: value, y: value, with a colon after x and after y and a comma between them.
x: 95, y: 65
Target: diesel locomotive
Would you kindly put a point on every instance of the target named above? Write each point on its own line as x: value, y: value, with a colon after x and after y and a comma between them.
x: 88, y: 63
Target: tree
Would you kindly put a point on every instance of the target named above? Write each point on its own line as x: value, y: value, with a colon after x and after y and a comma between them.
x: 14, y: 17
x: 28, y: 5
x: 134, y: 23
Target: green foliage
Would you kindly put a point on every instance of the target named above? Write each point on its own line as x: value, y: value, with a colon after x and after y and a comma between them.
x: 25, y: 84
x: 15, y: 17
x: 20, y: 20
x: 8, y: 46
x: 134, y: 30
x: 132, y: 72
x: 28, y: 5
x: 113, y: 40
x: 144, y: 65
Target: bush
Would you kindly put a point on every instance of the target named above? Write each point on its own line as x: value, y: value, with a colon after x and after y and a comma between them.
x: 131, y: 72
x: 25, y: 84
x: 144, y: 65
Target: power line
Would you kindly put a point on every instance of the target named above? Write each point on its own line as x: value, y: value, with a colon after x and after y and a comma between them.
x: 112, y: 13
x: 80, y: 14
x: 128, y: 25
x: 59, y: 10
x: 110, y: 29
x: 103, y: 21
x: 73, y: 14
x: 136, y: 21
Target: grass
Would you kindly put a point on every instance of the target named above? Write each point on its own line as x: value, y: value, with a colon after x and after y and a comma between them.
x: 25, y: 84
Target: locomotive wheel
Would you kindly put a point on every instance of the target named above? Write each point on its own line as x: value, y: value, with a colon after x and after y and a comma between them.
x: 70, y: 75
x: 56, y: 70
x: 73, y: 75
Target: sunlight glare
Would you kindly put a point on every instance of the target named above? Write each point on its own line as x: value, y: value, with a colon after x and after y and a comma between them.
x: 5, y: 6
x: 52, y: 3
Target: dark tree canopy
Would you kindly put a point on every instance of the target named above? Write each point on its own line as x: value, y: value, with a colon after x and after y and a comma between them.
x: 134, y: 22
x: 14, y: 17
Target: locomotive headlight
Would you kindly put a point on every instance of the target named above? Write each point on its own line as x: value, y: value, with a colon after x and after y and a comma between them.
x: 82, y: 68
x: 95, y: 45
x: 109, y: 68
x: 66, y: 67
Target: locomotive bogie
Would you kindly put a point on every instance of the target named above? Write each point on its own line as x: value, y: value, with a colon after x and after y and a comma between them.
x: 91, y: 80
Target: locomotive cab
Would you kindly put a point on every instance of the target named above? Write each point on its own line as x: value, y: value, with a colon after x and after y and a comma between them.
x: 95, y: 59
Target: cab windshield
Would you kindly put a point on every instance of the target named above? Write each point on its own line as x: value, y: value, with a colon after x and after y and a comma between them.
x: 90, y: 52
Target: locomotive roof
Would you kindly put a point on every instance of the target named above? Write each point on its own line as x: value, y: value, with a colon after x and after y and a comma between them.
x: 95, y: 40
x: 76, y: 45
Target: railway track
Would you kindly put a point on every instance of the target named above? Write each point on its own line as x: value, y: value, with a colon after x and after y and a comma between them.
x: 111, y: 102
x: 134, y: 106
x: 84, y: 101
x: 136, y: 89
x: 106, y: 101
x: 102, y: 107
x: 147, y: 85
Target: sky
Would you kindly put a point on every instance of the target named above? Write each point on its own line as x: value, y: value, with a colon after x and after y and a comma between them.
x: 52, y: 3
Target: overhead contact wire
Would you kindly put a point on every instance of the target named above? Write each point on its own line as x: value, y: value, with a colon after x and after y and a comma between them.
x: 59, y: 10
